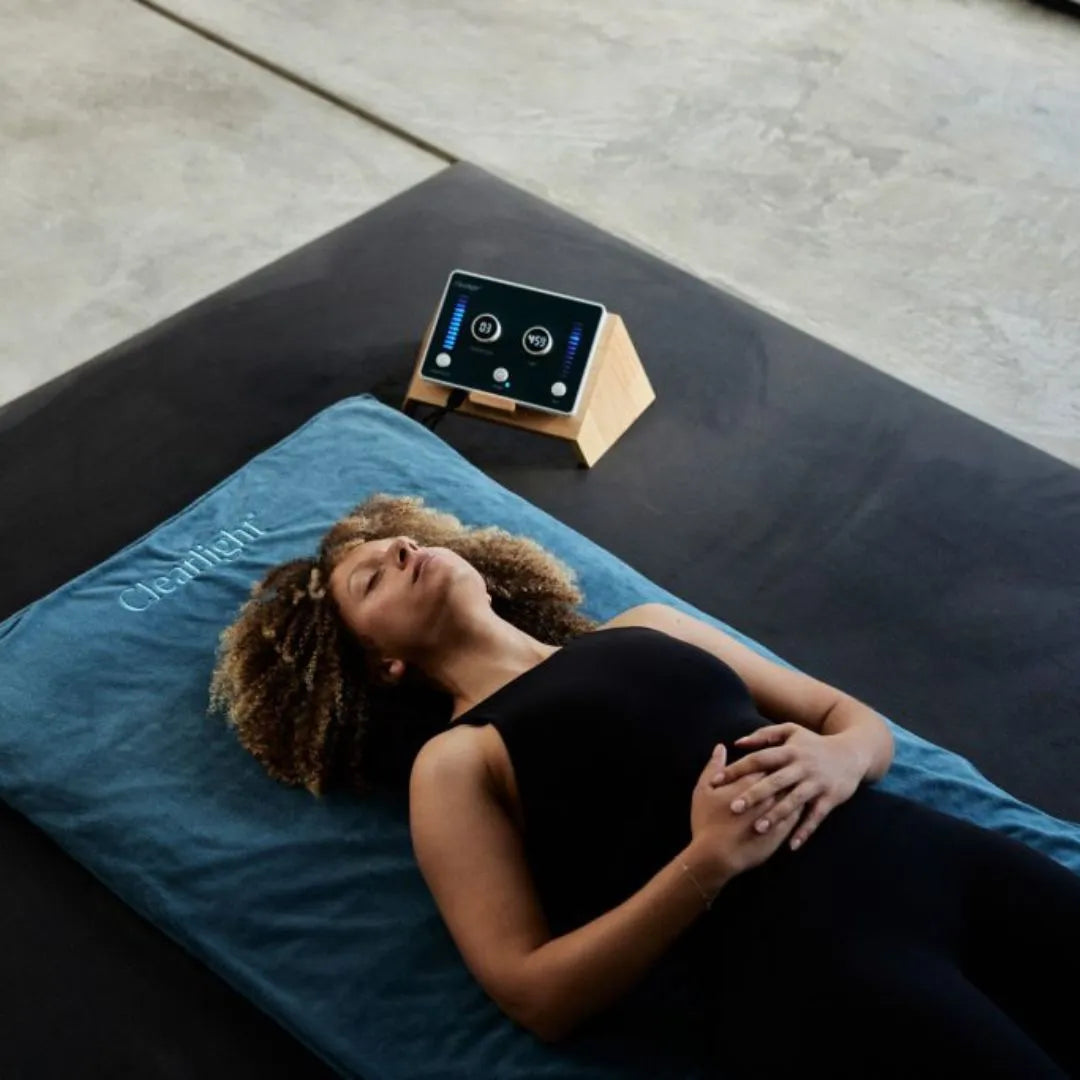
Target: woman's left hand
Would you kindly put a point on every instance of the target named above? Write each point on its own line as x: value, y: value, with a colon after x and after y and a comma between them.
x: 817, y: 770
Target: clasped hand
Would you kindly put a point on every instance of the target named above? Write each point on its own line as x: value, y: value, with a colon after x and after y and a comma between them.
x: 815, y: 770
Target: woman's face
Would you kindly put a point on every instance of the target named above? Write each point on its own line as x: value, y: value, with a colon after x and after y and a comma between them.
x: 397, y: 596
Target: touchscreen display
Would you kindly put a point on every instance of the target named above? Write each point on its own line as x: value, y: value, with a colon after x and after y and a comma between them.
x: 526, y: 344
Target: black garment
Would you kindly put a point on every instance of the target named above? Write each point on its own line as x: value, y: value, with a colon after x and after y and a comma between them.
x: 897, y: 939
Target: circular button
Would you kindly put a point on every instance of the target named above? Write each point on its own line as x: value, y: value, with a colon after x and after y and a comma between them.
x: 536, y: 341
x: 443, y: 359
x: 558, y: 389
x: 500, y: 374
x: 486, y: 328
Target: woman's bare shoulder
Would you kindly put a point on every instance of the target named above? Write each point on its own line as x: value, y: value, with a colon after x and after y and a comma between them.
x: 638, y: 615
x: 456, y: 740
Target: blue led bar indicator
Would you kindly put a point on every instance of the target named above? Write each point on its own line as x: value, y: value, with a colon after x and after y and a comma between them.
x: 572, y: 347
x: 455, y: 323
x: 575, y: 338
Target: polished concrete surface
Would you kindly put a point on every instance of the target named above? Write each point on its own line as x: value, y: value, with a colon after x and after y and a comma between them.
x: 144, y: 168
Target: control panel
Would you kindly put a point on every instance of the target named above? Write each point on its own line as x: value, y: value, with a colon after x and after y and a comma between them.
x: 525, y: 344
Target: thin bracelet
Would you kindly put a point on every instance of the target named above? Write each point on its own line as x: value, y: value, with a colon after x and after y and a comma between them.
x: 704, y: 896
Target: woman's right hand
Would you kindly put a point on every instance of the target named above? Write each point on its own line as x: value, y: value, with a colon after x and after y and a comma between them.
x: 724, y: 835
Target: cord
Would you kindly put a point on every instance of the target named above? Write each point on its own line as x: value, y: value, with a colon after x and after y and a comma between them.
x: 457, y: 396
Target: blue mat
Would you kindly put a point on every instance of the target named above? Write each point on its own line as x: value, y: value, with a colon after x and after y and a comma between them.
x: 315, y: 911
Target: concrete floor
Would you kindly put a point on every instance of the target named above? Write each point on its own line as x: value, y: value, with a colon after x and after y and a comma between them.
x: 144, y: 168
x: 898, y: 177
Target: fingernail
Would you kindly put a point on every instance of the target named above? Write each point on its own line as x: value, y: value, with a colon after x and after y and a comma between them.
x: 739, y: 805
x: 795, y: 844
x: 762, y: 826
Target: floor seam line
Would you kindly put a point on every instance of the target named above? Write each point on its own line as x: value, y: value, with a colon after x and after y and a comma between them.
x: 299, y: 80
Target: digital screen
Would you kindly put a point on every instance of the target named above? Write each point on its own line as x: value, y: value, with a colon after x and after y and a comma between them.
x: 527, y: 344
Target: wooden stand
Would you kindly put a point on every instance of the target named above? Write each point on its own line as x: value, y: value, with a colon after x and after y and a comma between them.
x: 616, y: 392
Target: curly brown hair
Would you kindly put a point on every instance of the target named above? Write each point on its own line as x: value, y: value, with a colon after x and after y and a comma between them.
x: 298, y: 686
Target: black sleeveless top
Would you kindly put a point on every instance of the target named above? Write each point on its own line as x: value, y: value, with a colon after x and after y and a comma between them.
x: 607, y: 738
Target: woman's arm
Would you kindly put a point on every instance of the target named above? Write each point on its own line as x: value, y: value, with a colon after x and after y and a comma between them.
x: 473, y: 860
x: 588, y: 969
x: 865, y: 732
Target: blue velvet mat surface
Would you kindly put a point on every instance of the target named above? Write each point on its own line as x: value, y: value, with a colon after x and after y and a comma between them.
x: 314, y: 910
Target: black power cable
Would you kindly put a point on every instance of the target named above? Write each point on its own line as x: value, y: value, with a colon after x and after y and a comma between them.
x: 457, y: 396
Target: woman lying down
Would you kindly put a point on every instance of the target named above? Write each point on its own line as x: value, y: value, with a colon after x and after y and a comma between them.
x: 588, y: 801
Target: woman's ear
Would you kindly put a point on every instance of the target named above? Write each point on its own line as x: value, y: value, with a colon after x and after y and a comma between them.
x: 383, y: 671
x: 392, y: 672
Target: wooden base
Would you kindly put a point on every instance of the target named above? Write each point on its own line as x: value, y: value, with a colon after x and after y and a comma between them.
x: 616, y: 392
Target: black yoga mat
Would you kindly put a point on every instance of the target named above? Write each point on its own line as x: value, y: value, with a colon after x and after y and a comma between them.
x: 875, y: 537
